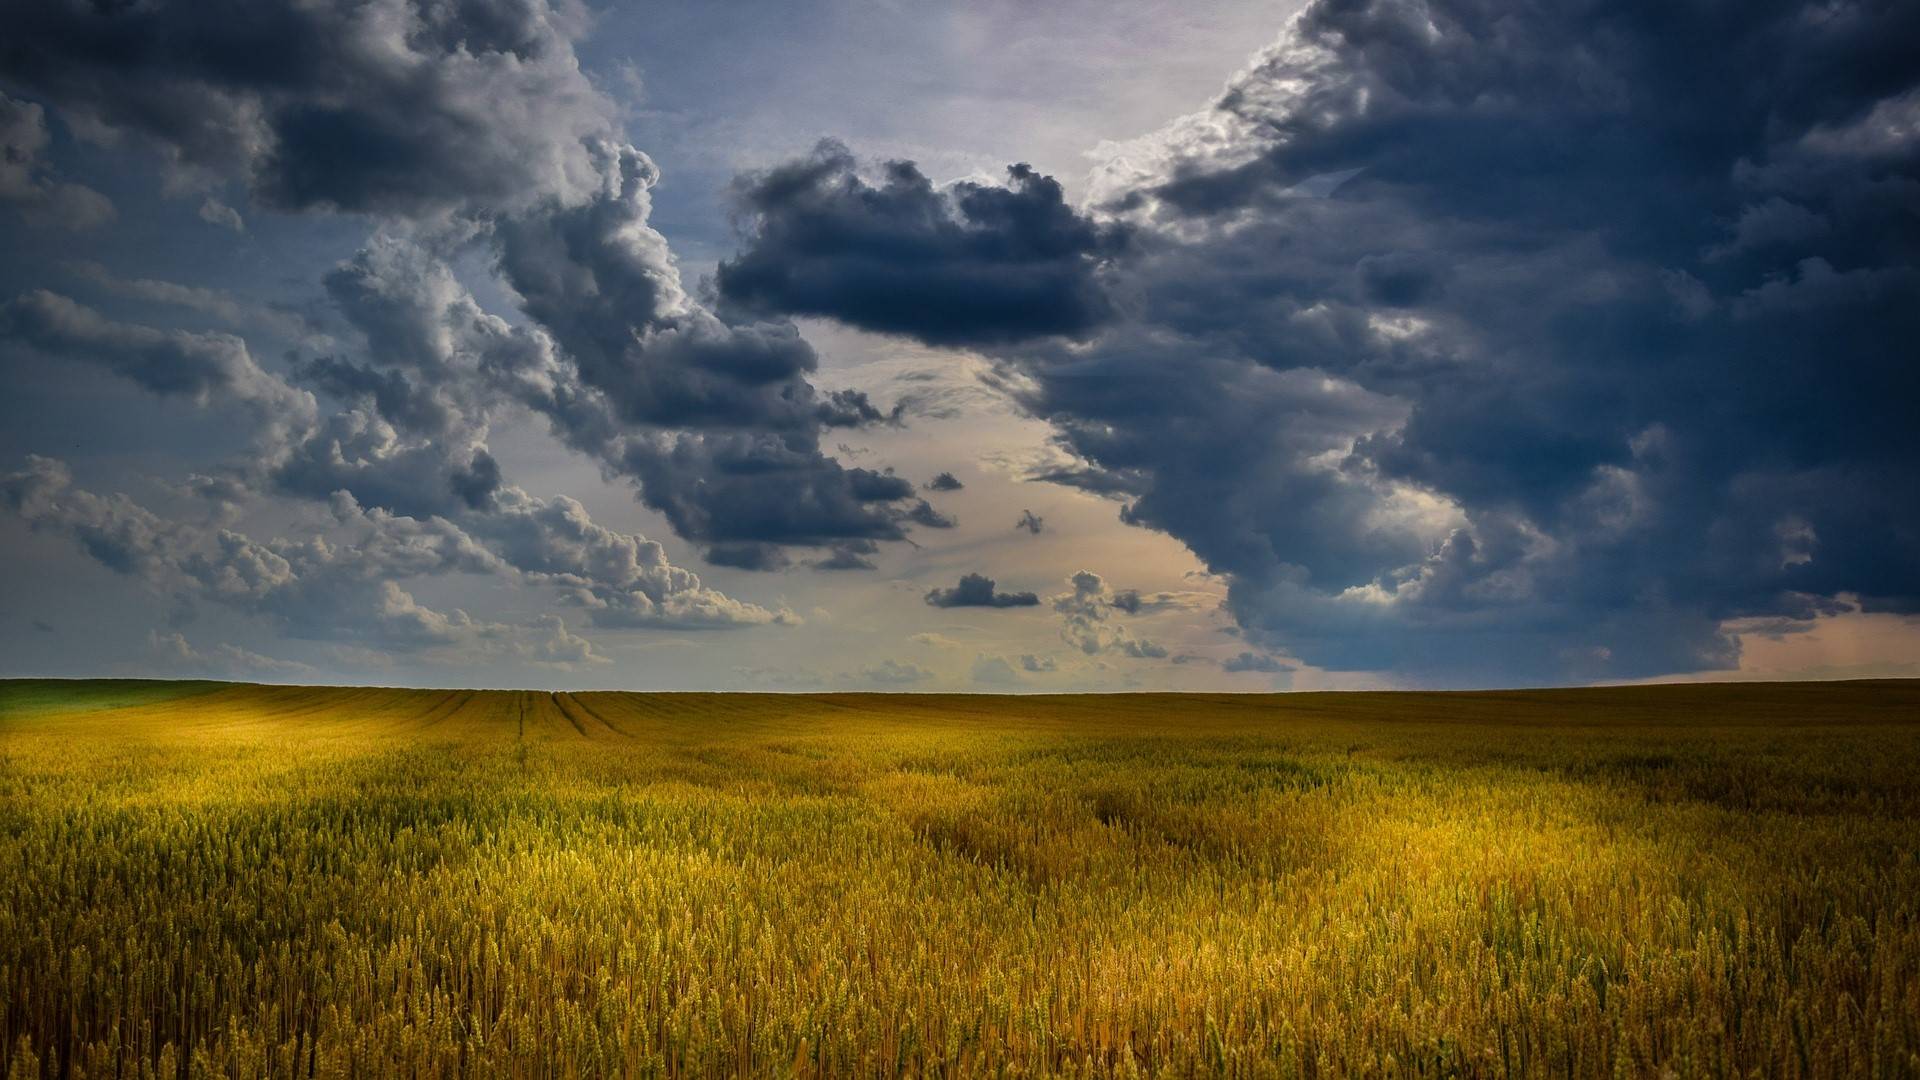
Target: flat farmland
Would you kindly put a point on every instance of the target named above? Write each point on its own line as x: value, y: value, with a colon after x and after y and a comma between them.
x: 234, y: 880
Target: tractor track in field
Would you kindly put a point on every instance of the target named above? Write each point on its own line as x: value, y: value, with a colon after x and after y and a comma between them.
x: 557, y: 699
x: 580, y: 715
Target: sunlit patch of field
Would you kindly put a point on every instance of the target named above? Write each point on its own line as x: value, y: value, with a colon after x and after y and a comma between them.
x: 243, y: 880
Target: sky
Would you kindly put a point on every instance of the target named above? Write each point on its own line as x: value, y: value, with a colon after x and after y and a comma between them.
x: 928, y: 346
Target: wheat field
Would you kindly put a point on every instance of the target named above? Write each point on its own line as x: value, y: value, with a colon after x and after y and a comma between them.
x: 230, y: 880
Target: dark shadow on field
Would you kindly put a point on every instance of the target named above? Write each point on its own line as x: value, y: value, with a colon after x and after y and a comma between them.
x: 23, y: 698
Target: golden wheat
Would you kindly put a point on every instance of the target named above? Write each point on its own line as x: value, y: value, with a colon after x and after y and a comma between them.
x: 248, y: 881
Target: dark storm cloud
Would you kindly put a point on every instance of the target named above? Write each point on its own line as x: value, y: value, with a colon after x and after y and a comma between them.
x: 880, y: 486
x: 852, y: 408
x: 620, y: 579
x: 358, y: 452
x: 347, y: 588
x: 214, y: 212
x: 312, y: 589
x: 458, y: 126
x: 392, y: 106
x: 393, y: 396
x: 616, y: 355
x: 1486, y: 343
x: 413, y: 411
x: 600, y: 281
x: 412, y: 441
x: 923, y: 513
x: 713, y: 420
x: 977, y: 590
x: 755, y: 488
x: 852, y: 555
x: 946, y: 481
x: 204, y: 367
x: 29, y: 184
x: 969, y: 264
x: 763, y: 557
x: 403, y: 459
x: 1087, y: 622
x: 1259, y: 662
x: 1134, y: 602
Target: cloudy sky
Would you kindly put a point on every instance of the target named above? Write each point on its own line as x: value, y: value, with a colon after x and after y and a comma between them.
x: 894, y: 344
